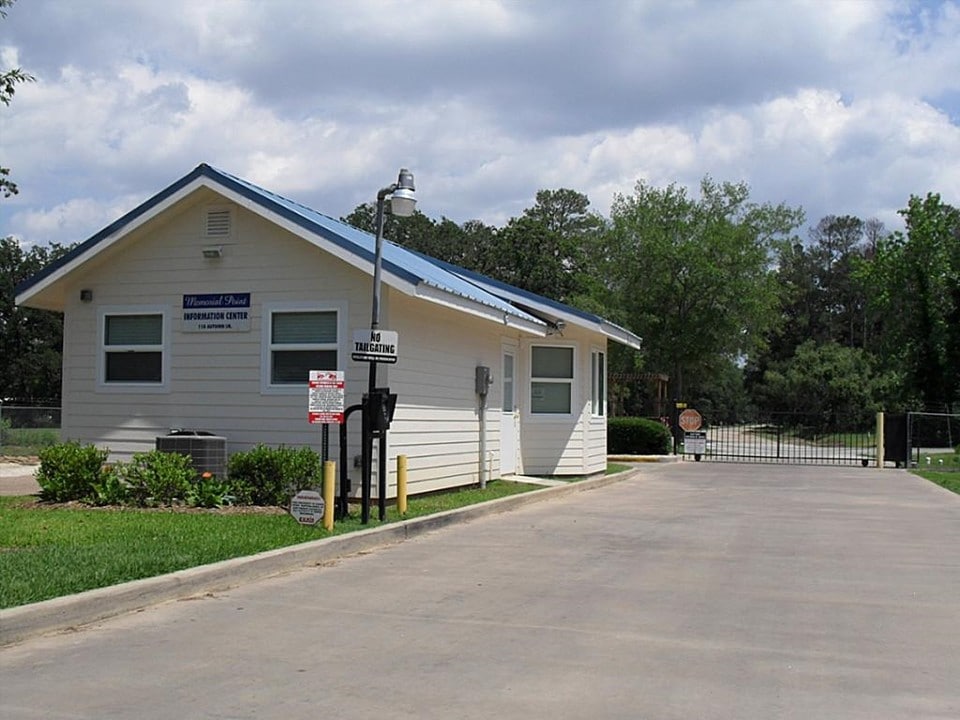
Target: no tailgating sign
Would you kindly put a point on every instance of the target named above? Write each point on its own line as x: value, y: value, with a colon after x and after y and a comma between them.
x: 375, y: 346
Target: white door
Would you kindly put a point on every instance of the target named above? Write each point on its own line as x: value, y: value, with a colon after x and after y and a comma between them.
x: 508, y: 416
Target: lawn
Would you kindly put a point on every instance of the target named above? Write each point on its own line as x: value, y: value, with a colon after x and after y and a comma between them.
x: 47, y: 552
x: 944, y: 478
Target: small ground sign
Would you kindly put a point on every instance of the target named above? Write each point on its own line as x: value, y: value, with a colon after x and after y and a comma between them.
x: 307, y: 507
x: 695, y: 443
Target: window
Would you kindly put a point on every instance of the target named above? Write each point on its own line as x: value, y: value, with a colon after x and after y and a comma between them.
x: 598, y: 382
x: 301, y: 341
x: 551, y: 386
x: 132, y: 348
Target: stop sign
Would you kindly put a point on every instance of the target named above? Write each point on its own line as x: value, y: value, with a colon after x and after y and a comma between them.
x: 690, y: 420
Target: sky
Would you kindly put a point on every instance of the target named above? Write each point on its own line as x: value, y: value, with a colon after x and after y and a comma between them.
x: 836, y: 106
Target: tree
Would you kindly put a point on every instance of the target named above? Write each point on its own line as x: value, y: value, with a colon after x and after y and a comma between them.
x: 694, y: 276
x: 31, y: 340
x: 822, y: 296
x: 831, y: 386
x: 915, y: 289
x: 9, y: 79
x: 547, y: 250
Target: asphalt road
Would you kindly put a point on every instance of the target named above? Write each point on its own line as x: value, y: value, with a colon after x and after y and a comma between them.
x: 693, y: 590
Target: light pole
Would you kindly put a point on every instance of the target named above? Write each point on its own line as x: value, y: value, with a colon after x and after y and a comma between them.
x: 402, y: 204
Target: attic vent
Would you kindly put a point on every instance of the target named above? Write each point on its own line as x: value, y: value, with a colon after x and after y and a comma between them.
x: 218, y: 223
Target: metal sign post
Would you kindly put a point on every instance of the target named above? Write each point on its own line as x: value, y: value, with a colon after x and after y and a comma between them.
x: 326, y: 390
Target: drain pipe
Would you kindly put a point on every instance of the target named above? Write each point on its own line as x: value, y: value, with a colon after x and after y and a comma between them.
x: 482, y: 386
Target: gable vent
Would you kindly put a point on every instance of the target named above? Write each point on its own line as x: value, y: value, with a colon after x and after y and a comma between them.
x: 218, y: 224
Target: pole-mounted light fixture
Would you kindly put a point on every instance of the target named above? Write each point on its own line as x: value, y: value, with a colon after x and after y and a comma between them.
x: 403, y: 202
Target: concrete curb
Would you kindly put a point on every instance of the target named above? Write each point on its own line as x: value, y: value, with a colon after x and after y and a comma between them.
x: 73, y: 611
x: 645, y: 458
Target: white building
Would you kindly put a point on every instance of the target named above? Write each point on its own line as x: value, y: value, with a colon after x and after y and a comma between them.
x: 205, y: 306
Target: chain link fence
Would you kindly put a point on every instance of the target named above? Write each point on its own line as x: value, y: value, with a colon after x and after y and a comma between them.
x: 25, y: 430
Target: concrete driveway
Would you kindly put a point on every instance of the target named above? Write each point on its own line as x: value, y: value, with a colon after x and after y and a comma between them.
x: 693, y: 590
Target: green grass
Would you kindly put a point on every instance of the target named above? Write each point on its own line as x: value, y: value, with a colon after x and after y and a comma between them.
x: 27, y: 442
x: 945, y: 475
x: 48, y: 552
x: 950, y: 481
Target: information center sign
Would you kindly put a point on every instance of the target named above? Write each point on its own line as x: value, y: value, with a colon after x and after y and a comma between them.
x: 326, y: 397
x: 216, y: 312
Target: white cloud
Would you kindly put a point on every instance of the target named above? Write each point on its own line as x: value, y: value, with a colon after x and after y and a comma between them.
x: 839, y: 107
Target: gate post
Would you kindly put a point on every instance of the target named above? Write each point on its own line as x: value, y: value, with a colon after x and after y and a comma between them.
x: 880, y: 446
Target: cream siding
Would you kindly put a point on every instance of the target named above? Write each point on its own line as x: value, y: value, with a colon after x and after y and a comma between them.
x: 437, y: 423
x: 216, y: 378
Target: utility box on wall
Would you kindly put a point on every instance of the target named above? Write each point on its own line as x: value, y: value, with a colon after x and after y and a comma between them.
x: 483, y: 380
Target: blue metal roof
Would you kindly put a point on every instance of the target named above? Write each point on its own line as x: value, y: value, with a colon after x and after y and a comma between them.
x: 400, y: 262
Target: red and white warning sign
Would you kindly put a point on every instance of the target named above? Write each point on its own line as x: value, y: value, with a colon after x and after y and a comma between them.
x: 326, y: 389
x: 690, y: 420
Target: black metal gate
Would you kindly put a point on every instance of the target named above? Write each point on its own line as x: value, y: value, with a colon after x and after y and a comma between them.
x: 789, y: 438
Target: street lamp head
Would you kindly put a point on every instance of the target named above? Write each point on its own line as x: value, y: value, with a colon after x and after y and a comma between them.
x: 403, y: 201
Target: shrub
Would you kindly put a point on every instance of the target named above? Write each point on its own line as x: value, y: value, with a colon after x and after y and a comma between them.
x: 271, y: 476
x: 637, y: 436
x: 208, y: 492
x: 158, y: 478
x: 69, y: 471
x: 110, y: 489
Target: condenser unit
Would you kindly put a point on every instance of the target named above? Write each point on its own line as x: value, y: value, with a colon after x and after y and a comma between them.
x: 208, y: 452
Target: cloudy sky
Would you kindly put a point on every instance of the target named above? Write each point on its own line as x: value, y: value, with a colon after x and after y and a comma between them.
x: 837, y: 106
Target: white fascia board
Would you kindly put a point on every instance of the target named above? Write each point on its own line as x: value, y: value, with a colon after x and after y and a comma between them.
x: 621, y: 335
x: 613, y: 332
x: 111, y: 239
x: 472, y: 307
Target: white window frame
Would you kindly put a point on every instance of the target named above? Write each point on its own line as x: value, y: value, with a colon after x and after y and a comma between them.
x: 598, y: 382
x: 266, y: 346
x: 571, y: 382
x: 163, y: 348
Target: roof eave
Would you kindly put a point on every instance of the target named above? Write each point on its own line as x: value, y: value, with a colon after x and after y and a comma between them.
x: 458, y: 302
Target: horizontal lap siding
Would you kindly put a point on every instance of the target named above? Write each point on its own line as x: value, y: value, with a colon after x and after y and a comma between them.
x: 595, y: 459
x: 437, y: 421
x: 215, y: 381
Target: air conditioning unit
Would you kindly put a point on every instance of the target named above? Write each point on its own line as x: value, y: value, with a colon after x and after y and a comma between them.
x: 208, y: 452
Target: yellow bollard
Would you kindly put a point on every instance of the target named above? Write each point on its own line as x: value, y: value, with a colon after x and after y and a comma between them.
x: 402, y: 484
x: 329, y: 475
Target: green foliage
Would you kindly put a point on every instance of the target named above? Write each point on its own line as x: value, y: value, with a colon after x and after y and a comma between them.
x: 694, y: 276
x: 825, y: 382
x: 110, y: 489
x: 30, y: 340
x: 916, y: 281
x: 70, y: 471
x: 9, y: 79
x: 158, y: 478
x: 637, y: 436
x: 209, y: 492
x: 271, y: 476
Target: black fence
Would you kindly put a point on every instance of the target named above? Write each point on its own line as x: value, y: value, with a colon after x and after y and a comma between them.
x: 788, y: 438
x: 930, y: 436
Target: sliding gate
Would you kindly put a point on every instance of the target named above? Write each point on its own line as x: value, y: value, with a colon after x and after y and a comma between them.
x: 789, y: 438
